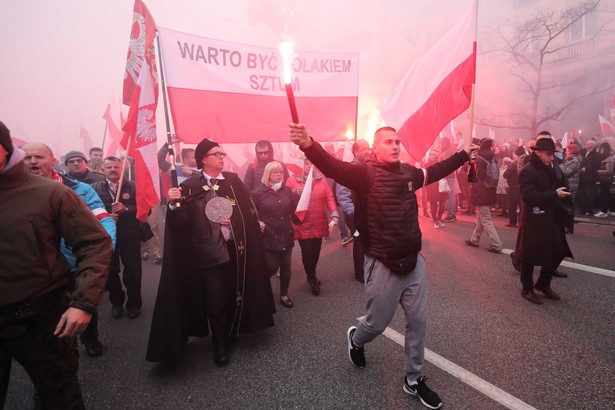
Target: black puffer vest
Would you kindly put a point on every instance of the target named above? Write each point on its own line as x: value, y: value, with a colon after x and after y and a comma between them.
x: 387, y: 217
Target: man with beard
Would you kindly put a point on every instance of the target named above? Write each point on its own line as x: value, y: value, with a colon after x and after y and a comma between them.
x: 122, y: 206
x: 214, y: 268
x: 254, y: 173
x: 39, y: 158
x: 541, y: 239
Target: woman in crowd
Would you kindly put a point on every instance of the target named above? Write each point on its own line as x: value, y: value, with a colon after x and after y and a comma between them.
x: 276, y: 204
x: 605, y: 178
x: 313, y: 226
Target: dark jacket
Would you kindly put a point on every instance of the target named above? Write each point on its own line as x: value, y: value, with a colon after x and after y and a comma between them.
x: 179, y: 311
x: 89, y: 177
x: 36, y: 214
x: 512, y: 175
x: 386, y: 212
x: 591, y: 163
x: 480, y: 195
x: 275, y: 209
x: 128, y: 226
x: 541, y: 239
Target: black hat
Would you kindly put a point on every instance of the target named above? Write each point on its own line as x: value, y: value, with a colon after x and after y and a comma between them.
x: 486, y: 143
x: 520, y: 151
x: 202, y: 149
x: 544, y: 144
x: 5, y: 138
x: 74, y: 154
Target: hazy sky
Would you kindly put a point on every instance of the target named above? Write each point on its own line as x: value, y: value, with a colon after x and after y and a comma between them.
x: 62, y: 60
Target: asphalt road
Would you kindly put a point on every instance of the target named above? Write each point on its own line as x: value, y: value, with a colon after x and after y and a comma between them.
x: 487, y: 348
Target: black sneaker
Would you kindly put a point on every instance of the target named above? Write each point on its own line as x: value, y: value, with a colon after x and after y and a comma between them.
x: 356, y: 354
x: 428, y: 397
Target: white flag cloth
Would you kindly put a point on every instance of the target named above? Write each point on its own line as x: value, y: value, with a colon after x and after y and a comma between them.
x: 306, y: 194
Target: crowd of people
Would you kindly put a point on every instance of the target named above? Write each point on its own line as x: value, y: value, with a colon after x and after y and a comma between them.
x: 227, y: 236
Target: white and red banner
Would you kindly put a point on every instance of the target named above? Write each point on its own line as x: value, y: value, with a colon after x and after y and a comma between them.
x: 436, y: 89
x: 233, y: 92
x: 140, y: 49
x: 605, y: 125
x: 140, y: 126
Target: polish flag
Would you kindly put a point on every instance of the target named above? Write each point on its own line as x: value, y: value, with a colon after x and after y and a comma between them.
x: 606, y: 126
x: 113, y: 129
x: 140, y: 127
x: 306, y: 194
x: 87, y: 140
x: 140, y: 49
x: 233, y: 92
x: 436, y: 89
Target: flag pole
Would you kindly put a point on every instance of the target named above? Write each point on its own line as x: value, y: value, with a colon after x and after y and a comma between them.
x: 166, y: 118
x: 119, y: 185
x: 105, y: 134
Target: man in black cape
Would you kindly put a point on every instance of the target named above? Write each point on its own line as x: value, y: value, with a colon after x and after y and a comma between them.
x: 213, y: 271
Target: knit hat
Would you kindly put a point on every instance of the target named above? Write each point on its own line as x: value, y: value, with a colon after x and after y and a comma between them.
x: 202, y: 149
x: 544, y: 144
x: 5, y: 138
x: 74, y: 154
x: 520, y: 151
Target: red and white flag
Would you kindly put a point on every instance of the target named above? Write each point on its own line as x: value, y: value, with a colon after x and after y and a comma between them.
x: 233, y: 92
x: 436, y: 89
x: 87, y: 140
x: 140, y: 49
x: 606, y: 126
x: 140, y: 126
x: 111, y: 115
x: 306, y: 194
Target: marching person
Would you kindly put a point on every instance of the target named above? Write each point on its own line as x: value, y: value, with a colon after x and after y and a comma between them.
x: 276, y: 204
x: 541, y: 239
x: 213, y: 271
x: 387, y: 218
x: 39, y: 158
x: 39, y: 319
x: 122, y: 206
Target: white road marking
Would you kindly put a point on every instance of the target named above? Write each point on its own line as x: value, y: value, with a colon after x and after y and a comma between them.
x: 578, y: 266
x: 465, y: 376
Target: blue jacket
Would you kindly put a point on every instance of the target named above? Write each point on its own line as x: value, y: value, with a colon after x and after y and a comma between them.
x: 92, y: 201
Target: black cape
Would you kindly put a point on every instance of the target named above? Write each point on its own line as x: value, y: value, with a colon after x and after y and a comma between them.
x: 179, y: 311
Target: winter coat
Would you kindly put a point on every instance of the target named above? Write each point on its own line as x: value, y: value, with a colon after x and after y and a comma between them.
x: 315, y: 223
x: 275, y: 209
x: 571, y: 167
x: 541, y: 239
x: 36, y: 213
x: 481, y: 195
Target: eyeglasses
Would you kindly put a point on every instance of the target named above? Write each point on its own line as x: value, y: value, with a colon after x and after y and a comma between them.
x: 217, y: 154
x: 74, y: 161
x: 263, y: 152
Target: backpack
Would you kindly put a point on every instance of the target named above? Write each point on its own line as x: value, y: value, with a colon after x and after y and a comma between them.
x: 492, y: 173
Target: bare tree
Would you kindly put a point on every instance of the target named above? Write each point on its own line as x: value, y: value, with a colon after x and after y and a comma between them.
x: 528, y: 51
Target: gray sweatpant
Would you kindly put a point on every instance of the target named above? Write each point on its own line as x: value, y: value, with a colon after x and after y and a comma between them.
x: 384, y: 290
